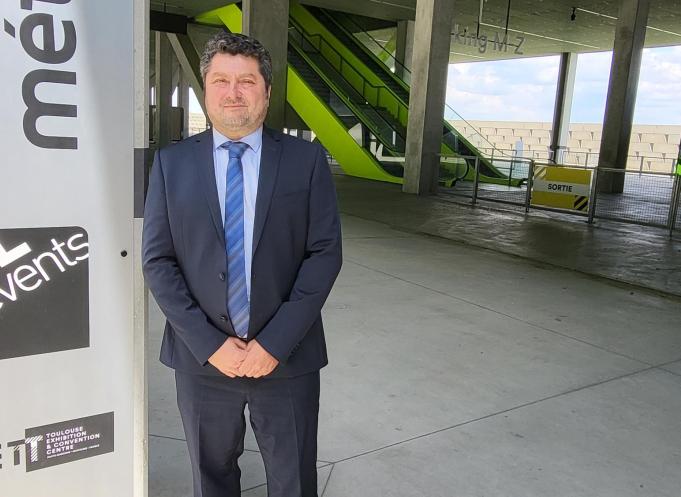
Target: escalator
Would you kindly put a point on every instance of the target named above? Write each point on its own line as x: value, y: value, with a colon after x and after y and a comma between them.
x: 299, y: 63
x: 306, y: 57
x: 341, y: 29
x: 334, y: 29
x: 375, y: 119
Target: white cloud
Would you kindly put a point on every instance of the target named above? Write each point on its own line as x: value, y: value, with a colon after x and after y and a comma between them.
x: 524, y: 89
x: 513, y: 90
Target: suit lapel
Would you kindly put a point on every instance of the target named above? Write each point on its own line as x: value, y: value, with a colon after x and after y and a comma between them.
x: 204, y: 157
x: 269, y: 167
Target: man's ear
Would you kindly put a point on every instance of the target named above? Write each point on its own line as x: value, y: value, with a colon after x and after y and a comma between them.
x: 269, y: 92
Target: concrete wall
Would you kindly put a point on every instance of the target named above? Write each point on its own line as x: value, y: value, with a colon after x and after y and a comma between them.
x: 657, y: 144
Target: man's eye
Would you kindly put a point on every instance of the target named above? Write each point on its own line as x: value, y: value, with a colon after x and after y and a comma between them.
x: 248, y: 81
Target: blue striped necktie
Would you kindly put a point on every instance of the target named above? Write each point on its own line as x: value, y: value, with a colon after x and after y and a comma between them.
x: 237, y: 297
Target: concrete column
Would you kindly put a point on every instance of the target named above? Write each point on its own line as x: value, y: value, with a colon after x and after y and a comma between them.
x: 164, y: 89
x: 267, y: 21
x: 427, y: 100
x: 563, y: 107
x: 183, y: 102
x: 140, y: 41
x: 404, y: 48
x: 630, y: 35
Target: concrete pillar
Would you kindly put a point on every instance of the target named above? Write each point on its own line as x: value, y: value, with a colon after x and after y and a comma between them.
x: 427, y: 99
x: 164, y: 89
x: 183, y: 102
x: 563, y: 106
x: 404, y: 48
x: 630, y: 35
x: 267, y: 21
x: 140, y: 40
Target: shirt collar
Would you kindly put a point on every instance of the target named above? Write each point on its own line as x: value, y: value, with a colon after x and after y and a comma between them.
x: 254, y: 140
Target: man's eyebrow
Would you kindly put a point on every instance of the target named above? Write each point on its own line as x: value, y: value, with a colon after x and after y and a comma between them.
x: 242, y: 75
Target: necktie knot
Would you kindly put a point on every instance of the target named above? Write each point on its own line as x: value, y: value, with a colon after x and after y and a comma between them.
x: 236, y: 149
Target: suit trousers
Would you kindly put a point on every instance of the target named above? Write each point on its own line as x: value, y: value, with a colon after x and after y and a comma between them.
x: 283, y: 413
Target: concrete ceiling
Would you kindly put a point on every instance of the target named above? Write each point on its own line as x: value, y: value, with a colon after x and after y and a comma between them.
x: 545, y: 26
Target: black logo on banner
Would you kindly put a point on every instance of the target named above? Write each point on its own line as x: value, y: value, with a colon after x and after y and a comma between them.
x: 38, y: 35
x: 60, y: 443
x: 44, y: 291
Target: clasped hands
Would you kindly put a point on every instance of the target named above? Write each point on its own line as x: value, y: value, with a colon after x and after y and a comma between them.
x: 236, y: 358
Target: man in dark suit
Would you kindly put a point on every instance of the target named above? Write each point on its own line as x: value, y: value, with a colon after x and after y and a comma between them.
x: 241, y: 247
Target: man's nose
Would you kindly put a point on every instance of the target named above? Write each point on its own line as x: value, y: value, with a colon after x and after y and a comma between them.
x: 232, y: 90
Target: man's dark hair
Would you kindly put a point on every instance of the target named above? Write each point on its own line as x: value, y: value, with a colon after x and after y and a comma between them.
x: 237, y: 44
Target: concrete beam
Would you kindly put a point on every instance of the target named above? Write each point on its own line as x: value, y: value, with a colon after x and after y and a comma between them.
x: 563, y: 107
x: 267, y: 21
x: 427, y: 100
x: 189, y: 62
x: 630, y: 35
x: 167, y: 23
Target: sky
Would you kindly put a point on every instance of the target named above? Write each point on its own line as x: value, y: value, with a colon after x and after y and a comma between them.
x: 524, y: 89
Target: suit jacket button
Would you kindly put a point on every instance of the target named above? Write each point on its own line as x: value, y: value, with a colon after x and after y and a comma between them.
x: 223, y: 319
x: 221, y: 276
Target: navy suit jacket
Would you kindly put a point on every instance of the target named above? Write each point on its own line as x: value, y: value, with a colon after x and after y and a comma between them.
x: 296, y: 253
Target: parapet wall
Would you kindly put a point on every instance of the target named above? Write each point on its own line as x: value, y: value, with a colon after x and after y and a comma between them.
x: 654, y: 147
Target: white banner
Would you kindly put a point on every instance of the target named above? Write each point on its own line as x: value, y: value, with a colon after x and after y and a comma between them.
x: 66, y: 242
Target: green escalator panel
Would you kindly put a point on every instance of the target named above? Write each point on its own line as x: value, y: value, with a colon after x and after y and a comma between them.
x: 354, y: 160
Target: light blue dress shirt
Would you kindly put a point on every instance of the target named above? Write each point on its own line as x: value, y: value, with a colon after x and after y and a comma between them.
x: 250, y: 163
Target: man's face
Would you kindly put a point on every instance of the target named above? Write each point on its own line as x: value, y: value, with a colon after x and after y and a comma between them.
x: 236, y: 96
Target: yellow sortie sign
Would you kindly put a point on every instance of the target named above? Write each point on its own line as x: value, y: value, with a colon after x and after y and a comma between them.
x: 561, y: 187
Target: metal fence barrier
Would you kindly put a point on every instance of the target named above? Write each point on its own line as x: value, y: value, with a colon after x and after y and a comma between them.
x: 644, y: 198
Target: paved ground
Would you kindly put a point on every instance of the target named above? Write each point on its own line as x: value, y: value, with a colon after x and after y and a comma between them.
x: 622, y: 252
x: 461, y: 371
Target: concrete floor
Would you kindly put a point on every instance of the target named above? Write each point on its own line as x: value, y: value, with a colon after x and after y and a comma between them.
x: 460, y: 371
